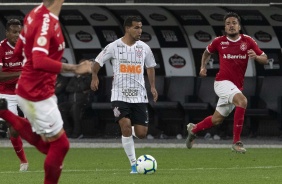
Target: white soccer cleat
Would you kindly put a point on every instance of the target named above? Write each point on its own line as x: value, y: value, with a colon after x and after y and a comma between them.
x: 23, y: 167
x: 238, y: 147
x: 191, y: 136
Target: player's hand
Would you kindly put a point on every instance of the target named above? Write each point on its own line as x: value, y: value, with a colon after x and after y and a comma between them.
x: 155, y: 94
x: 83, y: 67
x: 252, y: 54
x: 203, y: 72
x: 94, y: 82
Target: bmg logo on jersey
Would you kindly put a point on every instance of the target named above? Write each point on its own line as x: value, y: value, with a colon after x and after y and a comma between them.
x: 133, y: 69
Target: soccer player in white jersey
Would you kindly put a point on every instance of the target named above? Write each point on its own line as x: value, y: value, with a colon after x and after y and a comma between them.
x: 234, y: 50
x: 128, y: 56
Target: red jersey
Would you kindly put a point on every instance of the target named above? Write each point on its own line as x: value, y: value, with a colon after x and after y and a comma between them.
x: 9, y: 64
x: 233, y: 57
x: 42, y: 43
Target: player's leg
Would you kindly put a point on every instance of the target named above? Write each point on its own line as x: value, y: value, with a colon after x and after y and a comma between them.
x: 48, y: 123
x: 23, y: 127
x: 18, y: 147
x: 140, y: 119
x: 14, y: 135
x: 122, y: 112
x: 240, y: 101
x: 205, y: 124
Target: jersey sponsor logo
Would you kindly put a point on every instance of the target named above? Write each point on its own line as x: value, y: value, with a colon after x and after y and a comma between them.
x: 238, y: 56
x: 10, y: 64
x: 42, y: 40
x: 133, y: 69
x: 223, y: 48
x: 130, y: 92
x: 45, y: 25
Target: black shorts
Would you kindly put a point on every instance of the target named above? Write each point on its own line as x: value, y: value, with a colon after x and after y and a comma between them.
x: 136, y: 112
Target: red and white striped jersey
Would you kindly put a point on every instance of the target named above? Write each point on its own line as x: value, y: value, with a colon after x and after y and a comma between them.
x: 128, y: 66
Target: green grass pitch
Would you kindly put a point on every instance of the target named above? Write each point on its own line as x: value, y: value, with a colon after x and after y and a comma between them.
x: 175, y: 165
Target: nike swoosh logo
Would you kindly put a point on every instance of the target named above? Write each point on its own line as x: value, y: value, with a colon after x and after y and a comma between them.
x: 8, y: 57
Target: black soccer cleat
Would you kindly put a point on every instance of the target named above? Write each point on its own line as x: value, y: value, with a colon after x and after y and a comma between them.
x: 3, y: 104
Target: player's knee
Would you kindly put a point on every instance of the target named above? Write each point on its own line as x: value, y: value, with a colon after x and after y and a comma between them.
x: 12, y: 132
x: 141, y: 135
x: 243, y: 102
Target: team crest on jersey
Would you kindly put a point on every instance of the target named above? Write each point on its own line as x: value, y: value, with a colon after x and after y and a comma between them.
x: 139, y: 53
x: 243, y: 46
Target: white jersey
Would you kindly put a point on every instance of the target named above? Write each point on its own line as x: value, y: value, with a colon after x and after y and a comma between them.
x: 128, y: 67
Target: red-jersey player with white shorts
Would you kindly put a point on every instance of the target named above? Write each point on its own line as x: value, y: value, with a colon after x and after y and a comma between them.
x: 129, y: 98
x: 42, y: 44
x: 11, y: 69
x: 234, y: 50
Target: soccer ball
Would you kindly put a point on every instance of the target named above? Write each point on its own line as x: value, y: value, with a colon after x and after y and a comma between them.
x: 146, y: 164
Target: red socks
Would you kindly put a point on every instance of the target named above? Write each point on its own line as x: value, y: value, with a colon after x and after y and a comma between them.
x: 238, y: 123
x: 54, y: 160
x: 18, y: 147
x: 203, y: 125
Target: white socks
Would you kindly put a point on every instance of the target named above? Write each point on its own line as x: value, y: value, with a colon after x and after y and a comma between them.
x: 133, y: 132
x: 128, y: 146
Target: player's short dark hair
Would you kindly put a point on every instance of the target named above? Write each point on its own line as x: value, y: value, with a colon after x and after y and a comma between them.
x: 128, y: 21
x: 13, y: 22
x: 232, y: 14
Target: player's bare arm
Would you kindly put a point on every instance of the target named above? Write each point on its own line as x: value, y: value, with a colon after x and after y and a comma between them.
x: 5, y: 76
x: 82, y: 68
x: 151, y: 77
x: 95, y: 80
x: 262, y: 59
x: 205, y: 58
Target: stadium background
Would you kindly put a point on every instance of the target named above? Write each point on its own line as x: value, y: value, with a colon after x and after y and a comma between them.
x: 178, y: 33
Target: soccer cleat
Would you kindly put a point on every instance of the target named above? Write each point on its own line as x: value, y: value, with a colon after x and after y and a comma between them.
x: 23, y: 167
x: 191, y: 136
x: 133, y: 170
x: 3, y: 104
x: 238, y: 147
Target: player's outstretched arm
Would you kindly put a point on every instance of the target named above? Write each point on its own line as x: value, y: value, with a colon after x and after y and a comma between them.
x: 82, y: 68
x: 95, y: 80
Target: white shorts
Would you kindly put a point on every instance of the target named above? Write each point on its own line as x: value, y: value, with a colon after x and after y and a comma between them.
x: 12, y: 103
x: 225, y: 90
x: 44, y: 116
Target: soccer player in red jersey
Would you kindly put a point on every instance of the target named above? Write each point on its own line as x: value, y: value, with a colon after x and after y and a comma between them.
x: 9, y: 74
x: 42, y: 44
x: 234, y: 50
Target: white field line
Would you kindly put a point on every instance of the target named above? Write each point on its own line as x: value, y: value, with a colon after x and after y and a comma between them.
x: 152, y: 145
x: 160, y: 170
